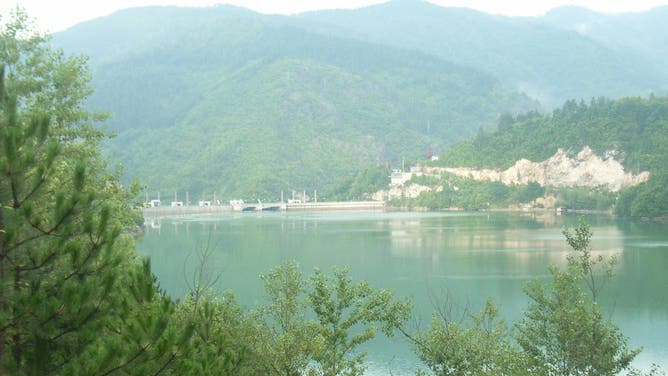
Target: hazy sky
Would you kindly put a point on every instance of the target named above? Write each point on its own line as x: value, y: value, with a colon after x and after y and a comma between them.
x: 56, y: 15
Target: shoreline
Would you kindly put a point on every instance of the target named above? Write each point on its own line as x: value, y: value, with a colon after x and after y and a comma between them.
x: 336, y: 206
x: 165, y: 211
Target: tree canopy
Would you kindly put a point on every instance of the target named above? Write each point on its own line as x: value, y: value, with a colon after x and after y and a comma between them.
x: 73, y: 294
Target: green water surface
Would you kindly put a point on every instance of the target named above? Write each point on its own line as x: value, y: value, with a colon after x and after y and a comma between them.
x: 467, y: 256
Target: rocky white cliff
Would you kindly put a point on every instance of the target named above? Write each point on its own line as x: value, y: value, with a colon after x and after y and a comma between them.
x: 586, y: 169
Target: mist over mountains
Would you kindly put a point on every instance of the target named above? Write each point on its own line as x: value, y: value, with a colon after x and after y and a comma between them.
x: 228, y: 100
x: 548, y: 59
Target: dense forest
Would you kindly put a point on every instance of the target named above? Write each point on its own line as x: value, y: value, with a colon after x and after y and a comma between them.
x: 633, y: 130
x: 75, y: 299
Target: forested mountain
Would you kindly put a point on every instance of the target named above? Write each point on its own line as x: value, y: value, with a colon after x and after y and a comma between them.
x: 228, y: 100
x: 548, y: 62
x: 632, y: 130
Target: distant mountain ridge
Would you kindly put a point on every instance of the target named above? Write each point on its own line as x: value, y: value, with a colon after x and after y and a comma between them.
x: 247, y: 105
x: 228, y: 100
x: 545, y: 60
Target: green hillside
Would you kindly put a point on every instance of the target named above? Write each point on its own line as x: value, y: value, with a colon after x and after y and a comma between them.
x: 244, y: 105
x: 547, y: 62
x: 635, y: 130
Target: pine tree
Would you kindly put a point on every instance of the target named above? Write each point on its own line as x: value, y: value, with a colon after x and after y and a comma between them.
x: 74, y: 297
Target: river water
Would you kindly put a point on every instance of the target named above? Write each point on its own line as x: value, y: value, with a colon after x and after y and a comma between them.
x: 425, y: 256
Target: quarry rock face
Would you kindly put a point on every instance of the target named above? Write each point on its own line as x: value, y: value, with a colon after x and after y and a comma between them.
x: 410, y: 191
x: 586, y: 169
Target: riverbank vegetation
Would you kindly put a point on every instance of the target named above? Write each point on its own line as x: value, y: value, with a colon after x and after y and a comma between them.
x: 75, y: 299
x: 469, y: 194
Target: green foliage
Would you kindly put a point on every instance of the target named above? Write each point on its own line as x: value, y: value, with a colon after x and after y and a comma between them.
x: 530, y: 192
x: 634, y: 128
x: 469, y: 194
x: 585, y: 198
x: 74, y: 298
x: 563, y: 331
x: 345, y: 314
x: 646, y: 200
x: 217, y: 332
x: 341, y: 306
x: 449, y: 348
x: 285, y: 339
x: 360, y: 187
